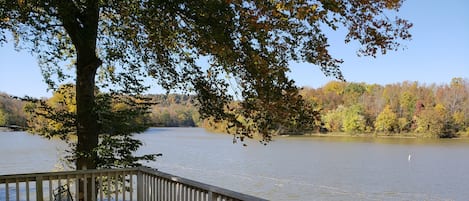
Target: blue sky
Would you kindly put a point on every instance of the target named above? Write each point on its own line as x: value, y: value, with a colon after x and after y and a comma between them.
x: 438, y: 52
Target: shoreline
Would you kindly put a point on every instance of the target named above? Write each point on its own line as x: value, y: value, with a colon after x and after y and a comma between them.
x: 360, y: 135
x: 5, y: 129
x: 365, y: 135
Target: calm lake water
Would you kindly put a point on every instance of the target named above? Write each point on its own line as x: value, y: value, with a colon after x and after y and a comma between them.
x: 290, y: 168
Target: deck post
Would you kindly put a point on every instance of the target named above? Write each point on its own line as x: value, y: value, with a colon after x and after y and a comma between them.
x: 39, y: 193
x: 140, y: 186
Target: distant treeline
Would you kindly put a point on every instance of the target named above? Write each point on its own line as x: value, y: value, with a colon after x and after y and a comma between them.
x: 407, y: 108
x: 173, y: 110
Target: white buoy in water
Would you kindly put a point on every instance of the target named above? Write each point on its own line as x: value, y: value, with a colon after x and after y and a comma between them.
x: 410, y: 157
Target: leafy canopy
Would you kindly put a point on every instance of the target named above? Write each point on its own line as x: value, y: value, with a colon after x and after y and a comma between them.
x: 247, y: 44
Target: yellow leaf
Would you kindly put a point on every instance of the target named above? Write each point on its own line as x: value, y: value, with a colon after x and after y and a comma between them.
x: 314, y: 7
x: 280, y: 6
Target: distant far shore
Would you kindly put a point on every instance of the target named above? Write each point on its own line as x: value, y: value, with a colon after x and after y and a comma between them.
x: 11, y: 128
x: 5, y: 129
x: 379, y: 135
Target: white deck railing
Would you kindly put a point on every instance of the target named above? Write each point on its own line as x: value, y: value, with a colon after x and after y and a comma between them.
x: 134, y: 184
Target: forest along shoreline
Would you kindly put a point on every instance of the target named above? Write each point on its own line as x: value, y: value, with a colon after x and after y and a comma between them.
x: 405, y: 110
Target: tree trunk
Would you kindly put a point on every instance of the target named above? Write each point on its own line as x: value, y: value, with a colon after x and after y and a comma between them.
x: 87, y: 122
x: 82, y: 27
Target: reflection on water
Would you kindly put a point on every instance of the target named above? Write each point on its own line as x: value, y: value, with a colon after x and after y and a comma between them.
x: 290, y: 168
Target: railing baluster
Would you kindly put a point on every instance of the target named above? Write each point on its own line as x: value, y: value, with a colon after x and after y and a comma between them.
x: 17, y: 185
x: 59, y: 184
x: 93, y: 187
x: 149, y: 187
x: 124, y: 176
x: 158, y: 186
x: 196, y: 194
x: 27, y: 190
x: 186, y: 189
x: 131, y: 190
x: 139, y: 186
x: 168, y: 190
x: 100, y: 186
x: 210, y: 196
x: 181, y: 192
x: 201, y: 195
x: 68, y: 186
x: 108, y: 187
x: 192, y: 194
x: 176, y: 191
x: 163, y: 189
x: 85, y: 188
x: 77, y: 187
x: 116, y: 186
x: 7, y: 191
x: 155, y: 188
x: 50, y: 188
x: 39, y: 195
x: 145, y: 187
x: 152, y: 188
x: 173, y: 190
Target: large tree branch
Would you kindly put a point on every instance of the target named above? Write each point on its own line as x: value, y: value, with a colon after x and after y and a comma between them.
x: 80, y: 23
x: 68, y: 13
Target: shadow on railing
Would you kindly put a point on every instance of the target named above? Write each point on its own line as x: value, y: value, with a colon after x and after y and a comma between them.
x: 133, y: 184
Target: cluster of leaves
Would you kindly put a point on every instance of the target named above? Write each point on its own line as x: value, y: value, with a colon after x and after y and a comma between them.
x: 408, y: 107
x: 120, y: 117
x: 263, y: 125
x: 347, y: 119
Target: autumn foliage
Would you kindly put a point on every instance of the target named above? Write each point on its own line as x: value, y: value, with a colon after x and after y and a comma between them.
x: 402, y: 108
